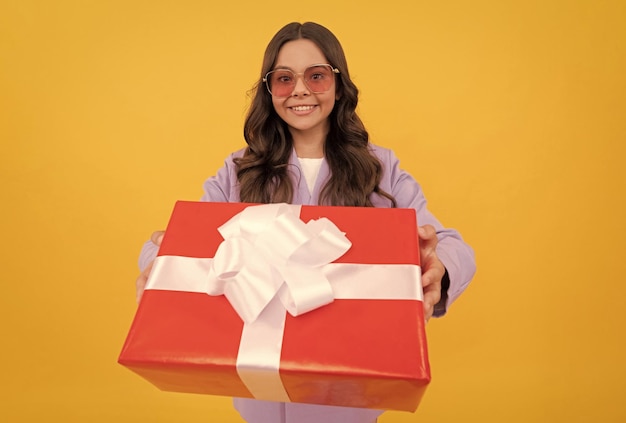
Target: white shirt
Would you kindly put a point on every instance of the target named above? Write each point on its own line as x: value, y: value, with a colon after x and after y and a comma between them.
x: 310, y: 168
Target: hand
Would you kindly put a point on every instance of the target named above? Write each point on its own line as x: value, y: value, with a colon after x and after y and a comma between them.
x: 140, y: 283
x: 432, y: 269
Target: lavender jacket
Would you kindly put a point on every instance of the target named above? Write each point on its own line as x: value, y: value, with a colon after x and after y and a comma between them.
x: 456, y: 255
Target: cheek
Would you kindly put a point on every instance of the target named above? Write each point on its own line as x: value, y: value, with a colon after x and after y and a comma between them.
x: 331, y: 101
x: 275, y: 104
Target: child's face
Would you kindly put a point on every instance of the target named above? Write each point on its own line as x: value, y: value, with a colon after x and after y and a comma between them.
x: 304, y: 112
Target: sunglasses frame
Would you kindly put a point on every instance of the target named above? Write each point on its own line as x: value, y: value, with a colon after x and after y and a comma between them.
x: 333, y: 69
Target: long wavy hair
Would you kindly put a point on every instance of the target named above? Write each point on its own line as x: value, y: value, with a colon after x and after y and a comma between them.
x: 262, y: 171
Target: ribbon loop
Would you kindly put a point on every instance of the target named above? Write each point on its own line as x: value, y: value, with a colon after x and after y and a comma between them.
x: 269, y: 252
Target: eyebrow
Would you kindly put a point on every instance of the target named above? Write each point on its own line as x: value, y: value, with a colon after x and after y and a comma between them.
x: 283, y: 67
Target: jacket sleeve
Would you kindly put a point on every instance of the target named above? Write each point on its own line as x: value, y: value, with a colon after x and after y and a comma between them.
x: 223, y: 186
x: 455, y: 254
x: 218, y: 188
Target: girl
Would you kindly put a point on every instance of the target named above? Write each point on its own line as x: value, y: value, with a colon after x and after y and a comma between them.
x: 306, y: 145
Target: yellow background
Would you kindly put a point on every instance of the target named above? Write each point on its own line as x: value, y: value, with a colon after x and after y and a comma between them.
x: 510, y: 113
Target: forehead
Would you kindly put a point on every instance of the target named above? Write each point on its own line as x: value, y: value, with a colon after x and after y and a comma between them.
x: 299, y: 54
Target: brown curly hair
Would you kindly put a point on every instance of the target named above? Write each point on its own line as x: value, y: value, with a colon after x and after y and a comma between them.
x: 262, y: 171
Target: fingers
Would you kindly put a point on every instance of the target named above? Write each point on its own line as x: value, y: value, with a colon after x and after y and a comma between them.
x: 427, y: 237
x: 432, y: 272
x: 432, y: 268
x: 157, y: 237
x: 432, y: 295
x: 142, y: 279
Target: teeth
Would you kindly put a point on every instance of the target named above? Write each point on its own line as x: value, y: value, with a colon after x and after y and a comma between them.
x: 302, y: 108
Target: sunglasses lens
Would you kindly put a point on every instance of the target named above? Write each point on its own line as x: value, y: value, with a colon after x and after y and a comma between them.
x: 318, y: 78
x: 281, y: 83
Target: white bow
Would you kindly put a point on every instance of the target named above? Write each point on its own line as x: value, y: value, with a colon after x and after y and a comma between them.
x: 268, y: 251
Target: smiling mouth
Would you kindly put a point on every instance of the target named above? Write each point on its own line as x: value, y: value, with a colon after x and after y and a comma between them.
x: 302, y: 108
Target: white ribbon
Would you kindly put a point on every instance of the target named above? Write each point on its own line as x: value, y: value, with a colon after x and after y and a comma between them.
x: 270, y: 261
x: 269, y: 251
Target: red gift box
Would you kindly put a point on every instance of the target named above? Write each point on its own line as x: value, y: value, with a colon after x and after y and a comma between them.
x: 366, y: 347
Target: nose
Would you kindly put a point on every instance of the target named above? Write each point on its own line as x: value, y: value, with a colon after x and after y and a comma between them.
x: 300, y: 88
